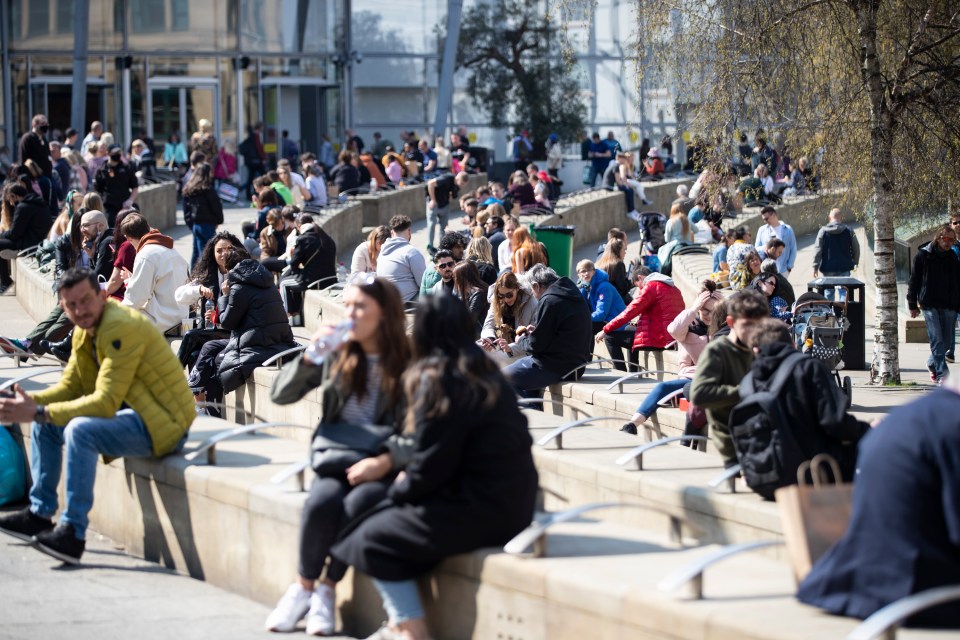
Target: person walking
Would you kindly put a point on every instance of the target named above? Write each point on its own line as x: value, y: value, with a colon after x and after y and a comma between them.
x: 934, y: 289
x: 836, y: 250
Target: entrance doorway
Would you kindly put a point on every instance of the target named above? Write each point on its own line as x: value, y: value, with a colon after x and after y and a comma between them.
x: 298, y: 106
x: 52, y: 96
x: 176, y: 105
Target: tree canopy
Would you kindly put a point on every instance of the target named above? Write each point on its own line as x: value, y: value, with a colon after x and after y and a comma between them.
x: 517, y: 74
x: 869, y: 88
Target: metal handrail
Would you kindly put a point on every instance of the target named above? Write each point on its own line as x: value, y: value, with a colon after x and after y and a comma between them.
x: 670, y: 398
x: 884, y: 623
x: 523, y: 402
x: 536, y: 534
x: 557, y: 434
x: 9, y: 382
x: 729, y: 476
x: 316, y: 282
x: 297, y: 469
x: 279, y: 357
x: 594, y: 361
x: 637, y: 452
x: 209, y: 446
x: 693, y: 572
x: 634, y: 374
x: 223, y: 407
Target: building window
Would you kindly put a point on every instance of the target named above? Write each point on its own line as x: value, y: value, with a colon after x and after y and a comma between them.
x: 147, y: 16
x: 38, y: 18
x: 65, y: 16
x: 180, y: 15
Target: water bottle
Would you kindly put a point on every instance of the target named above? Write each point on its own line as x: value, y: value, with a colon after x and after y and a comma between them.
x: 373, y: 185
x: 320, y: 348
x: 207, y: 324
x: 342, y: 273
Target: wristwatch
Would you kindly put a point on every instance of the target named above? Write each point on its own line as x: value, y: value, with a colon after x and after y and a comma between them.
x: 40, y: 416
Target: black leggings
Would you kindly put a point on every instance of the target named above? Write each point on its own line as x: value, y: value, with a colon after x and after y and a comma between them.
x: 203, y: 377
x: 331, y: 505
x: 5, y: 278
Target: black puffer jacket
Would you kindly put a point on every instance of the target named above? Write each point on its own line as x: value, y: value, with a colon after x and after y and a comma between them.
x: 31, y: 222
x: 253, y: 312
x: 935, y: 281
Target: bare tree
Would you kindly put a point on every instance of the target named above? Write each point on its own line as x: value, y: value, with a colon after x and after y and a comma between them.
x: 871, y: 88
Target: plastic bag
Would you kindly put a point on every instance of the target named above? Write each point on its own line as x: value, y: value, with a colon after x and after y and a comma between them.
x: 13, y: 477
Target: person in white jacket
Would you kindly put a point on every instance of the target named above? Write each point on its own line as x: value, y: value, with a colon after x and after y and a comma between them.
x: 511, y: 306
x: 158, y: 271
x: 399, y: 261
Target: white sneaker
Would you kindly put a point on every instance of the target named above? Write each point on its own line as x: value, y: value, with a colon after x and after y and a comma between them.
x: 290, y: 610
x: 321, y: 618
x: 633, y: 215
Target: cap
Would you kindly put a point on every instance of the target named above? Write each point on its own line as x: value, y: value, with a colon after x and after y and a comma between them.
x: 115, y: 150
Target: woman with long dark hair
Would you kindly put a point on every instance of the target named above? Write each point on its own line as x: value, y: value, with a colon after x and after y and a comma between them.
x: 472, y: 290
x: 363, y: 388
x: 470, y: 482
x: 202, y: 209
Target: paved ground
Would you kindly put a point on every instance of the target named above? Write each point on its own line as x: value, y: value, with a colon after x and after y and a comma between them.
x: 116, y: 596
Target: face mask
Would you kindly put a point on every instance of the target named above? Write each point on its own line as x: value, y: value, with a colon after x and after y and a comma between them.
x: 44, y: 128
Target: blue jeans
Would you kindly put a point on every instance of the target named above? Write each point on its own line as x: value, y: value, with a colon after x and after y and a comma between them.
x: 202, y: 234
x: 436, y: 216
x: 121, y: 436
x: 628, y: 194
x: 940, y: 327
x: 529, y: 378
x: 400, y: 599
x: 649, y: 405
x: 841, y: 293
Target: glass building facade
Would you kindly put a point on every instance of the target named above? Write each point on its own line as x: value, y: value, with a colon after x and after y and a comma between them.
x: 312, y: 67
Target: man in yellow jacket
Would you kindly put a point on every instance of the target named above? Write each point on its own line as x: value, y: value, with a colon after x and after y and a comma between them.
x: 122, y: 394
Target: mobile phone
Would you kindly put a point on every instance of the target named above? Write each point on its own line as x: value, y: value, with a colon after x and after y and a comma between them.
x: 7, y: 393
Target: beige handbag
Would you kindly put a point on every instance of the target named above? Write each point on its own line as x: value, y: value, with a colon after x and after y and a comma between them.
x: 814, y: 516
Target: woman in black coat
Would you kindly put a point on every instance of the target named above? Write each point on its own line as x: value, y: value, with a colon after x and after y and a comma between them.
x: 313, y: 259
x: 470, y: 483
x: 202, y: 209
x: 29, y: 225
x: 251, y: 309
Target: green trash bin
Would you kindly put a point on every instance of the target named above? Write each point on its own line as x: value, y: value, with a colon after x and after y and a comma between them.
x: 558, y: 240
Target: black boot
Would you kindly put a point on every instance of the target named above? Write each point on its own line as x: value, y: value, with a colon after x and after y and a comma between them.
x: 61, y: 350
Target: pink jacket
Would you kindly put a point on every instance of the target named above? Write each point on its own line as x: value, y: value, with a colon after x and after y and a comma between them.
x: 689, y: 345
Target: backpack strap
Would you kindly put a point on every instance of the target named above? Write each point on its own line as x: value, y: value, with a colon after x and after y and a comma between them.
x: 783, y: 372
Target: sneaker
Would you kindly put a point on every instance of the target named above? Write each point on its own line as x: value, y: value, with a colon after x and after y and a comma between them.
x: 386, y: 633
x: 61, y: 543
x: 290, y: 610
x: 647, y: 202
x: 431, y: 249
x: 634, y: 215
x: 24, y: 524
x: 11, y: 345
x: 933, y: 373
x: 321, y: 617
x: 629, y: 428
x: 949, y: 358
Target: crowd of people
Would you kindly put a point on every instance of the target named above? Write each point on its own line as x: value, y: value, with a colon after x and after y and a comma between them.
x: 439, y: 461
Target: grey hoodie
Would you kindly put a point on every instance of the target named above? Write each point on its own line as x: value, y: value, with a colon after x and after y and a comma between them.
x: 403, y: 265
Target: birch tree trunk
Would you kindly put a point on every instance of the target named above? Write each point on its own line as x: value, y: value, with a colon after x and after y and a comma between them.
x: 886, y: 356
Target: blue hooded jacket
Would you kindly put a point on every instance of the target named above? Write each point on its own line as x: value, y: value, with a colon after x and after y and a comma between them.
x: 604, y: 299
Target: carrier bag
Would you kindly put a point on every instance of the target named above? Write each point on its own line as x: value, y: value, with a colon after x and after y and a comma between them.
x: 814, y: 515
x: 13, y: 472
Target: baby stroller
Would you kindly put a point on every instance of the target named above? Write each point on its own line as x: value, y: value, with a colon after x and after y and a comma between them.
x: 818, y: 326
x: 653, y: 224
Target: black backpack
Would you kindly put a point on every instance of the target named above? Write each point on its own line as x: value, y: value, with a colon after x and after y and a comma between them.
x: 758, y: 423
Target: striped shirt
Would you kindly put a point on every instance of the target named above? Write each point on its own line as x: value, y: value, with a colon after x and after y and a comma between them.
x: 364, y: 410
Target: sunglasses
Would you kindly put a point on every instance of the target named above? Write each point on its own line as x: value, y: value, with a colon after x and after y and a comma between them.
x: 504, y: 296
x: 954, y: 222
x: 446, y: 265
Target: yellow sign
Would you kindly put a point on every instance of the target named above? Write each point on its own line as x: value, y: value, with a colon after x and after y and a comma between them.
x: 686, y: 136
x: 472, y: 137
x: 634, y: 136
x: 270, y: 147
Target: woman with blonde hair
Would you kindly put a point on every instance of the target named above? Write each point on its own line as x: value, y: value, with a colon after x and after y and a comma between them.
x: 678, y: 226
x: 526, y: 252
x: 204, y: 141
x: 480, y: 253
x: 78, y: 172
x: 366, y: 254
x: 611, y: 263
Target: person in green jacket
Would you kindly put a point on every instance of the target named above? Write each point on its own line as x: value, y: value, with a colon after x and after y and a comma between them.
x: 723, y: 364
x: 122, y: 394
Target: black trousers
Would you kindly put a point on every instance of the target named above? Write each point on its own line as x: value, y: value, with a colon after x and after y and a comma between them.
x: 203, y: 377
x: 616, y: 342
x: 5, y: 278
x: 331, y: 506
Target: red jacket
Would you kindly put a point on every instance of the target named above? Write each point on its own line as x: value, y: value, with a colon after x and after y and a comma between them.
x: 657, y: 304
